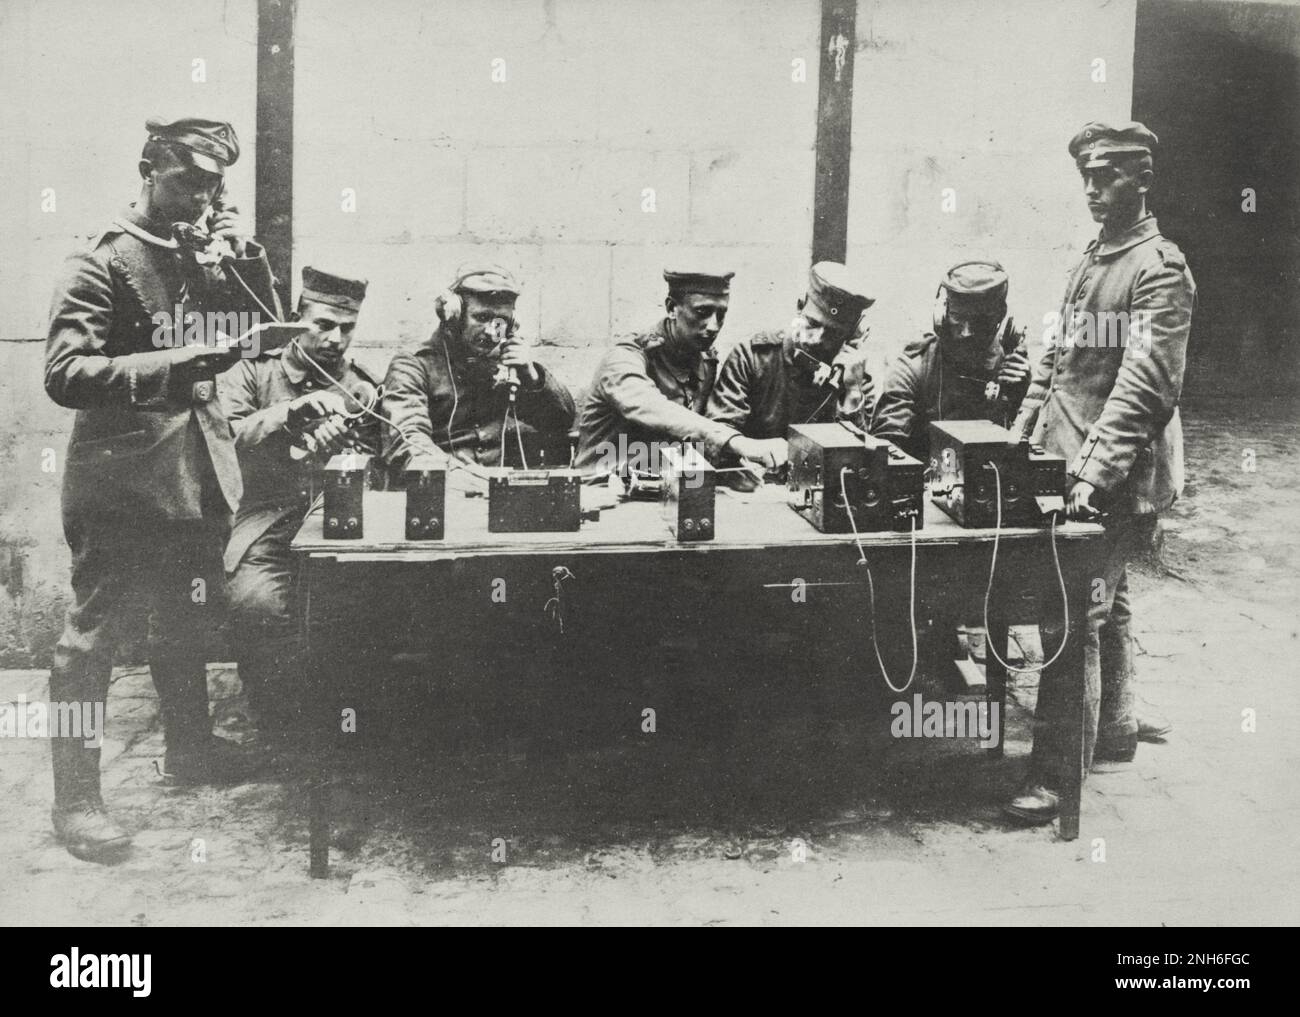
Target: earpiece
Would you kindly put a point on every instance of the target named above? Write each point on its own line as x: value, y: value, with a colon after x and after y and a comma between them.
x: 940, y: 311
x: 448, y: 306
x: 941, y: 295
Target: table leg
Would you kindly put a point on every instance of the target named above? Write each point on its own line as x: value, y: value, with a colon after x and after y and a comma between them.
x: 1072, y: 791
x: 319, y: 827
x: 315, y: 654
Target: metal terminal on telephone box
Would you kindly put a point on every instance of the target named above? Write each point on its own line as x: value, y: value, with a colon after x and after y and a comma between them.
x: 885, y: 486
x: 425, y: 480
x: 345, y: 486
x: 687, y: 491
x: 534, y: 501
x: 964, y: 485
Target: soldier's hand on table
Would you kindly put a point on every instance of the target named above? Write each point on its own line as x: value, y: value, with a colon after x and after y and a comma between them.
x: 1023, y: 425
x: 468, y: 478
x: 518, y: 354
x: 1014, y: 369
x: 767, y: 452
x: 227, y: 224
x: 315, y: 405
x: 1081, y: 504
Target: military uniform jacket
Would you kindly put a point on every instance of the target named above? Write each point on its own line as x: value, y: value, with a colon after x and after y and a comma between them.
x: 146, y: 435
x: 923, y: 385
x: 637, y: 393
x: 1112, y: 410
x: 438, y: 402
x: 759, y: 393
x: 256, y: 395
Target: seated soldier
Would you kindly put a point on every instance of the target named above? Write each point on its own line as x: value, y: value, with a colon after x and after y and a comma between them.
x: 652, y: 388
x: 289, y: 409
x: 812, y: 372
x: 473, y: 389
x: 973, y: 366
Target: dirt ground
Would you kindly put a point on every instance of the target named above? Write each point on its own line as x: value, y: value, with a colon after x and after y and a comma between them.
x: 807, y: 820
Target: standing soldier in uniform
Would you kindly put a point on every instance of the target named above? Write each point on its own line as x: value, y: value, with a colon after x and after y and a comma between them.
x: 973, y: 366
x: 151, y: 474
x: 290, y: 409
x: 1105, y: 396
x: 812, y: 372
x: 653, y: 388
x: 473, y: 389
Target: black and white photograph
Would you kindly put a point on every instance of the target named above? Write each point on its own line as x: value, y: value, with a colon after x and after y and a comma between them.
x: 669, y: 463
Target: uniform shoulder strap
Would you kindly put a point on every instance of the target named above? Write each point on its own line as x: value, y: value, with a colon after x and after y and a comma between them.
x: 123, y: 225
x: 1171, y: 254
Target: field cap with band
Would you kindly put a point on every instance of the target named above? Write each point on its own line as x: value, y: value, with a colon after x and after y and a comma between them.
x: 209, y: 145
x: 976, y: 282
x: 835, y: 294
x: 335, y: 290
x: 484, y: 278
x: 698, y: 280
x: 1100, y: 144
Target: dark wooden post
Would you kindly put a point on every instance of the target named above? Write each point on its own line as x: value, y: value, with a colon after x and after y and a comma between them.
x: 274, y: 172
x: 834, y: 130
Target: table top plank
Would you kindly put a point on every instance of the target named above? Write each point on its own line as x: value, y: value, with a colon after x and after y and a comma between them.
x: 757, y: 520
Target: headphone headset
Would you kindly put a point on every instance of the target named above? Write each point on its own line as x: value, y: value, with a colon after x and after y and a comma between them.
x: 939, y: 316
x: 448, y: 306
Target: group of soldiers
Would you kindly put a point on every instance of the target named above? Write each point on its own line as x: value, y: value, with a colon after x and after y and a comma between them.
x: 198, y: 462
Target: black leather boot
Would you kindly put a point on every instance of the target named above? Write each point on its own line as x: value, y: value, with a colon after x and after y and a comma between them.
x: 1036, y: 805
x: 1115, y: 748
x: 80, y: 822
x: 213, y: 761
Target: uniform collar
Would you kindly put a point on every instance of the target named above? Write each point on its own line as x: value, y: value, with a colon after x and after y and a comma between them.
x: 448, y: 351
x: 1142, y: 230
x: 698, y: 372
x: 151, y: 232
x: 297, y: 372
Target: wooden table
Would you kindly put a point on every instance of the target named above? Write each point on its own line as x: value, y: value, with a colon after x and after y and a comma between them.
x: 354, y: 590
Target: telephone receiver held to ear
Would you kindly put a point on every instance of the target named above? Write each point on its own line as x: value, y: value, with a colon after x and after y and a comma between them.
x: 1008, y: 337
x: 823, y: 373
x: 206, y: 248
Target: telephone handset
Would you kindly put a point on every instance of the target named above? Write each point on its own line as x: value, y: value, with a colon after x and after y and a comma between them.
x: 831, y: 375
x: 505, y: 376
x: 1008, y: 337
x: 207, y: 249
x: 1008, y: 340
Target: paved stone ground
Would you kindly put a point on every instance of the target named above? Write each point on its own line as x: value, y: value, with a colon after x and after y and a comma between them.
x: 643, y: 830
